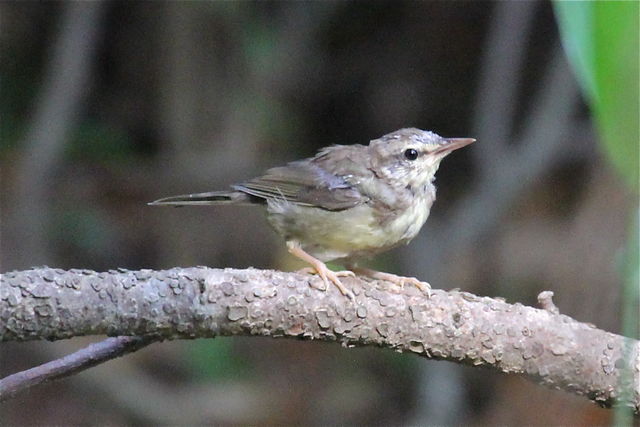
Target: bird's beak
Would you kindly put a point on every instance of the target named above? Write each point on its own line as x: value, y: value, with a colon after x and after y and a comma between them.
x: 451, y: 144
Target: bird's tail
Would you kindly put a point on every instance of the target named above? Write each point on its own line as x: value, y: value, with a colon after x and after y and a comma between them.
x: 203, y: 199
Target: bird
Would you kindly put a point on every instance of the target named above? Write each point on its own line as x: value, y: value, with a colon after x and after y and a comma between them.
x: 346, y: 203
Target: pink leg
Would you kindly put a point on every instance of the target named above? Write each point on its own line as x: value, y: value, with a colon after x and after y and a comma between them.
x: 321, y: 269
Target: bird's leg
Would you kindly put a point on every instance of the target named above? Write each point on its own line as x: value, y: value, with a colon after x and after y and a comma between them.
x: 320, y: 268
x: 393, y: 278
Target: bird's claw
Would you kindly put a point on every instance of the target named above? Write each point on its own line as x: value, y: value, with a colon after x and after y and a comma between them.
x: 329, y: 276
x: 399, y: 281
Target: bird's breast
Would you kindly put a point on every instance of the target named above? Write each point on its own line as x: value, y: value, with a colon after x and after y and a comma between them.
x: 356, y: 232
x: 406, y: 223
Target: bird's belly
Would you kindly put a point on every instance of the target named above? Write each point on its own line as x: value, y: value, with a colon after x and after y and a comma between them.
x: 352, y: 233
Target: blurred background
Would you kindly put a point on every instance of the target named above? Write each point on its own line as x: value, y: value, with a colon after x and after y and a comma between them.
x: 108, y: 105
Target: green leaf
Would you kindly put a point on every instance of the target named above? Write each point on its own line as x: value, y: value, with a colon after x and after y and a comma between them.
x: 576, y: 31
x: 602, y: 43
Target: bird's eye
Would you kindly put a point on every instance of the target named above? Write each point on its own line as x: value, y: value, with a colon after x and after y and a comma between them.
x: 411, y: 154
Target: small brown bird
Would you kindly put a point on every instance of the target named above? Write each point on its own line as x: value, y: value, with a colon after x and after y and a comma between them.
x: 348, y: 202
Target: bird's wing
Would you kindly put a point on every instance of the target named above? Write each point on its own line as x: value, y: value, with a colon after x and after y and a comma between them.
x: 308, y: 183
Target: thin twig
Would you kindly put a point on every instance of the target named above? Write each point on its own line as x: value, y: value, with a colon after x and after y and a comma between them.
x: 85, y: 358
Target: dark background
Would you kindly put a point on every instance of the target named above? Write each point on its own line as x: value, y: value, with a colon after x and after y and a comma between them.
x: 106, y: 106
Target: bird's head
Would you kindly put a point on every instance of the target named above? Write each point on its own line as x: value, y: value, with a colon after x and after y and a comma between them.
x: 410, y: 156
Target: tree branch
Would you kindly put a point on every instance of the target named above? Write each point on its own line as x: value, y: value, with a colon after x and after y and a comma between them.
x: 78, y: 361
x: 200, y: 302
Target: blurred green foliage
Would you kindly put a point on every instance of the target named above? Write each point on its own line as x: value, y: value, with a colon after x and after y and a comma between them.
x: 98, y: 142
x: 601, y: 40
x: 217, y: 359
x: 631, y: 293
x: 630, y: 307
x: 85, y: 227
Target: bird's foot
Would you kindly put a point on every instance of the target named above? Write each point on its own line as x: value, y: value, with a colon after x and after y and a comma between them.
x: 328, y: 275
x: 399, y: 281
x: 320, y: 268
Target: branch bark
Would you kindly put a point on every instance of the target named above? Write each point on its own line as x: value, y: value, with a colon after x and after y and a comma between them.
x: 550, y: 348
